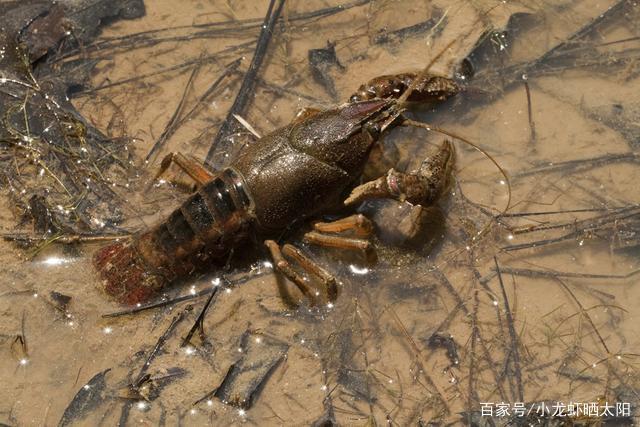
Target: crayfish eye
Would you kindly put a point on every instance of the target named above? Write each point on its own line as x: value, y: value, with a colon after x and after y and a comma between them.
x: 372, y: 128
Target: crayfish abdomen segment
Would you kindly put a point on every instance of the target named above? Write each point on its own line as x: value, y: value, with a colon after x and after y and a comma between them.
x: 203, y: 229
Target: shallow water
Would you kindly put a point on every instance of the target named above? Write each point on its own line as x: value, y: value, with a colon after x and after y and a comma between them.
x: 550, y: 333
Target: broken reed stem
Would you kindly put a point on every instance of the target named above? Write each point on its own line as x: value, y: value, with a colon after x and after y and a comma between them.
x: 418, y: 354
x: 512, y: 334
x: 584, y: 313
x: 485, y: 350
x: 475, y: 333
x: 532, y: 125
x: 160, y: 343
x: 246, y: 91
x: 199, y: 323
x: 172, y: 124
x: 179, y: 121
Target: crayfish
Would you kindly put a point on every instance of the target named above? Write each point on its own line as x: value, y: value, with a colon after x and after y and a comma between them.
x: 305, y: 169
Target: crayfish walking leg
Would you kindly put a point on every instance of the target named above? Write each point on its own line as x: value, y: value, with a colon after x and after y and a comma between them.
x: 286, y: 268
x: 195, y: 170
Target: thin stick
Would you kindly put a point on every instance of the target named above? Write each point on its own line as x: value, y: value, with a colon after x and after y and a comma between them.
x: 521, y: 214
x: 230, y: 68
x: 445, y: 281
x: 537, y: 243
x: 512, y: 334
x: 198, y: 324
x: 160, y: 343
x: 179, y: 121
x: 29, y: 238
x: 248, y: 84
x: 416, y: 349
x: 236, y: 281
x: 612, y: 216
x: 475, y: 334
x: 581, y: 228
x: 552, y: 273
x: 186, y: 64
x: 585, y: 163
x: 172, y: 124
x: 584, y: 313
x: 136, y: 310
x: 532, y: 125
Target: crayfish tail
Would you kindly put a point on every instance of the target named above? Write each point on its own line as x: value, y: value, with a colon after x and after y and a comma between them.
x: 125, y: 275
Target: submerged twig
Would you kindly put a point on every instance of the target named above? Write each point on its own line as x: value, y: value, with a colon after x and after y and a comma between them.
x: 512, y: 334
x: 553, y: 273
x: 542, y: 64
x: 135, y: 310
x: 584, y: 312
x: 248, y: 84
x: 177, y: 121
x: 418, y: 354
x: 581, y: 164
x: 151, y: 306
x: 26, y: 238
x: 186, y: 64
x: 159, y: 344
x: 492, y: 366
x: 582, y: 228
x: 199, y: 323
x: 173, y: 121
x: 532, y: 125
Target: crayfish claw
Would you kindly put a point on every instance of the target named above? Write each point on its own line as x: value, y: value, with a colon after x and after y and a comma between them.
x: 423, y: 186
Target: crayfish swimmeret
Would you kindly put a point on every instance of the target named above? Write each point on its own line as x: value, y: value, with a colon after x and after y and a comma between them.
x: 304, y: 169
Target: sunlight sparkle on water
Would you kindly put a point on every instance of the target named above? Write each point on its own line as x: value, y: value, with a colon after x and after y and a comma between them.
x: 54, y: 260
x: 357, y: 270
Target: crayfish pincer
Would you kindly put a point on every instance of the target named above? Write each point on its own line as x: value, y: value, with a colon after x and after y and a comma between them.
x: 301, y: 170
